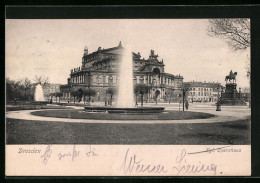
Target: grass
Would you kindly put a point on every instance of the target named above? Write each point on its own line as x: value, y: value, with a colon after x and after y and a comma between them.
x: 33, y: 107
x: 80, y: 114
x: 44, y: 132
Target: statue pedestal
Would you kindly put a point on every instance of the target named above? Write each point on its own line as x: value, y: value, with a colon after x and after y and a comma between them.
x: 231, y: 96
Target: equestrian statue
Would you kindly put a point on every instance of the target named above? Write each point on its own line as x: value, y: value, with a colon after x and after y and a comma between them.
x: 231, y: 76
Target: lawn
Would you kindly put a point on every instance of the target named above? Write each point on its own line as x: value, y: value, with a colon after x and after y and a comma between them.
x: 33, y: 107
x: 80, y: 114
x: 44, y: 132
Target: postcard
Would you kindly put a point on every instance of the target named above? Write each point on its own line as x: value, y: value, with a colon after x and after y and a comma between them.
x: 128, y: 97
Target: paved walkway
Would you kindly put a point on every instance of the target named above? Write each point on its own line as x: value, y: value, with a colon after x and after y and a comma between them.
x: 227, y: 114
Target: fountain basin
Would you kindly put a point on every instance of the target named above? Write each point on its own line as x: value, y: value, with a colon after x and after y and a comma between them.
x: 125, y: 110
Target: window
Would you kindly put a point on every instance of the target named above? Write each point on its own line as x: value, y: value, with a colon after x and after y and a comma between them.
x: 142, y: 80
x: 110, y: 81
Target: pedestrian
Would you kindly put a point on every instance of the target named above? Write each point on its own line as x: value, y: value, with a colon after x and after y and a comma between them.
x: 186, y: 105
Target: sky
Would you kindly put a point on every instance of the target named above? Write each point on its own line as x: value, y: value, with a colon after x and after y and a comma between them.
x: 51, y: 48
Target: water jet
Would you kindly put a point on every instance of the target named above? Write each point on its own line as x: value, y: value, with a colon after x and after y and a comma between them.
x: 125, y: 99
x: 38, y: 94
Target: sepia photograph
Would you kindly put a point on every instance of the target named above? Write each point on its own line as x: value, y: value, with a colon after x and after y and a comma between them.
x: 128, y: 81
x: 146, y: 83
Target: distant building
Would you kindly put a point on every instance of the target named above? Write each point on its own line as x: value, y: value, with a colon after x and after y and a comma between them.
x: 49, y: 88
x: 203, y: 91
x: 245, y: 90
x: 99, y: 71
x: 245, y: 93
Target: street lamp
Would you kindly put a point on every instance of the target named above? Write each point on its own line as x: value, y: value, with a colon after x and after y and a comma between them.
x: 183, y: 97
x: 219, y: 99
x: 106, y: 99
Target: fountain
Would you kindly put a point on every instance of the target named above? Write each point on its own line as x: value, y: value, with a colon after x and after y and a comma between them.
x: 125, y: 99
x: 38, y: 94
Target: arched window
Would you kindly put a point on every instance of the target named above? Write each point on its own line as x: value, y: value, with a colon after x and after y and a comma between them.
x: 110, y: 81
x: 141, y: 80
x: 135, y: 82
x: 156, y: 71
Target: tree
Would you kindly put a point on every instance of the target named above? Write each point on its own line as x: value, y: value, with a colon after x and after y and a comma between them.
x: 170, y: 95
x: 14, y: 89
x: 74, y: 94
x: 89, y: 92
x: 157, y: 93
x: 54, y: 95
x: 247, y: 67
x: 27, y: 85
x: 141, y: 89
x: 236, y: 32
x: 10, y: 89
x: 84, y: 92
x: 59, y: 94
x: 41, y: 80
x: 111, y: 91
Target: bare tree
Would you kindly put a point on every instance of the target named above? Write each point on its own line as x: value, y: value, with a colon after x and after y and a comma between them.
x: 13, y: 89
x: 142, y: 90
x: 236, y: 32
x: 41, y: 80
x: 26, y: 86
x: 89, y: 92
x: 74, y: 94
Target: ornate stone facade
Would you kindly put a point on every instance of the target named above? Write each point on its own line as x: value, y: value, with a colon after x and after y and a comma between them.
x: 99, y: 71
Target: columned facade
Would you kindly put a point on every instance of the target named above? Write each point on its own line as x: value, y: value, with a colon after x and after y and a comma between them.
x: 99, y: 71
